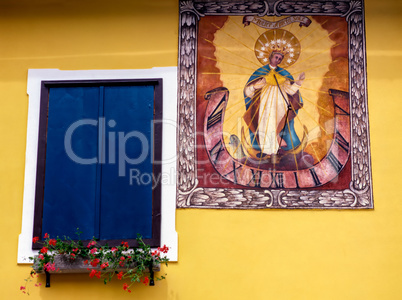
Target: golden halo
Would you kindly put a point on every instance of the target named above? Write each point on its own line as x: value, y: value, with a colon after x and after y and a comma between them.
x: 278, y: 41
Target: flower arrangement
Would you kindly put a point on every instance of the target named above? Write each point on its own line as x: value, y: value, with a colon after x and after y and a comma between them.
x: 104, y: 262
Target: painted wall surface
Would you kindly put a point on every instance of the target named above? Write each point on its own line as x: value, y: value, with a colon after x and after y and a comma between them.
x: 223, y: 254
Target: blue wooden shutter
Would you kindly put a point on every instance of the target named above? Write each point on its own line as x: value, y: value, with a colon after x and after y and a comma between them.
x: 114, y: 123
x: 126, y: 207
x: 69, y: 193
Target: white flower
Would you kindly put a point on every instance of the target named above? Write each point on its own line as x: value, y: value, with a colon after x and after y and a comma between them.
x: 265, y: 59
x: 289, y: 60
x: 291, y: 49
x: 291, y: 55
x: 263, y: 48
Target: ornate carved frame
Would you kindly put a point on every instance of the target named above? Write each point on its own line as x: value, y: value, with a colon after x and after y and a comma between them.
x: 189, y: 194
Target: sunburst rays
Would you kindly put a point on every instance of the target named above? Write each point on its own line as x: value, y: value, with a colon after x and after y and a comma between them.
x: 311, y: 32
x: 233, y: 37
x: 228, y: 63
x: 234, y: 57
x: 233, y: 53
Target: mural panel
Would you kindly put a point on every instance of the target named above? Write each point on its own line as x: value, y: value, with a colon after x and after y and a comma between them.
x: 272, y: 105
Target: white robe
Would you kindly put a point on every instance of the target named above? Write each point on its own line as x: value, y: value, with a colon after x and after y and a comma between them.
x: 272, y: 110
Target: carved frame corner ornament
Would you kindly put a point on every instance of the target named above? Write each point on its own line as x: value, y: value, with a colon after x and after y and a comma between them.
x: 190, y: 195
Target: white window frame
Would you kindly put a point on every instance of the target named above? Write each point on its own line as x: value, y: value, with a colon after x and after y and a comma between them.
x: 168, y: 178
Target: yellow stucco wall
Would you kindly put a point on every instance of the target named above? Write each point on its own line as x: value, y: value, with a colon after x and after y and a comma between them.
x: 223, y: 254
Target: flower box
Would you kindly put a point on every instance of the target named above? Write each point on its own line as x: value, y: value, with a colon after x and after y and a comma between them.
x: 65, y: 265
x: 68, y: 256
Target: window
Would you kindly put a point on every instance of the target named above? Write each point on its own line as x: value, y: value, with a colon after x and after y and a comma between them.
x: 101, y: 164
x: 99, y: 156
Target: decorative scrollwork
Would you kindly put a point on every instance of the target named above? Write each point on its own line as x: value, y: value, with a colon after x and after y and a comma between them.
x: 230, y: 198
x: 186, y: 158
x: 362, y: 196
x: 355, y: 6
x: 316, y: 199
x: 258, y: 199
x: 269, y: 203
x: 188, y: 6
x: 361, y: 176
x: 230, y: 7
x: 311, y: 7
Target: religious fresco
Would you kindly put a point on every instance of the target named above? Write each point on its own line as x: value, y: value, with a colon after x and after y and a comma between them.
x: 273, y: 105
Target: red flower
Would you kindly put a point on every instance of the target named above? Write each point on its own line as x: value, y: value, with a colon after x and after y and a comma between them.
x: 45, y: 236
x: 22, y: 288
x: 125, y: 244
x: 49, y: 267
x: 104, y: 265
x: 164, y: 249
x: 125, y: 287
x: 91, y: 243
x: 92, y: 274
x: 72, y: 256
x: 155, y: 253
x: 93, y: 250
x: 95, y: 273
x: 76, y: 250
x: 41, y: 257
x: 44, y: 250
x: 95, y: 262
x: 35, y: 239
x: 85, y: 262
x: 146, y: 280
x: 121, y: 263
x: 120, y: 275
x: 38, y: 284
x: 52, y: 242
x: 113, y: 249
